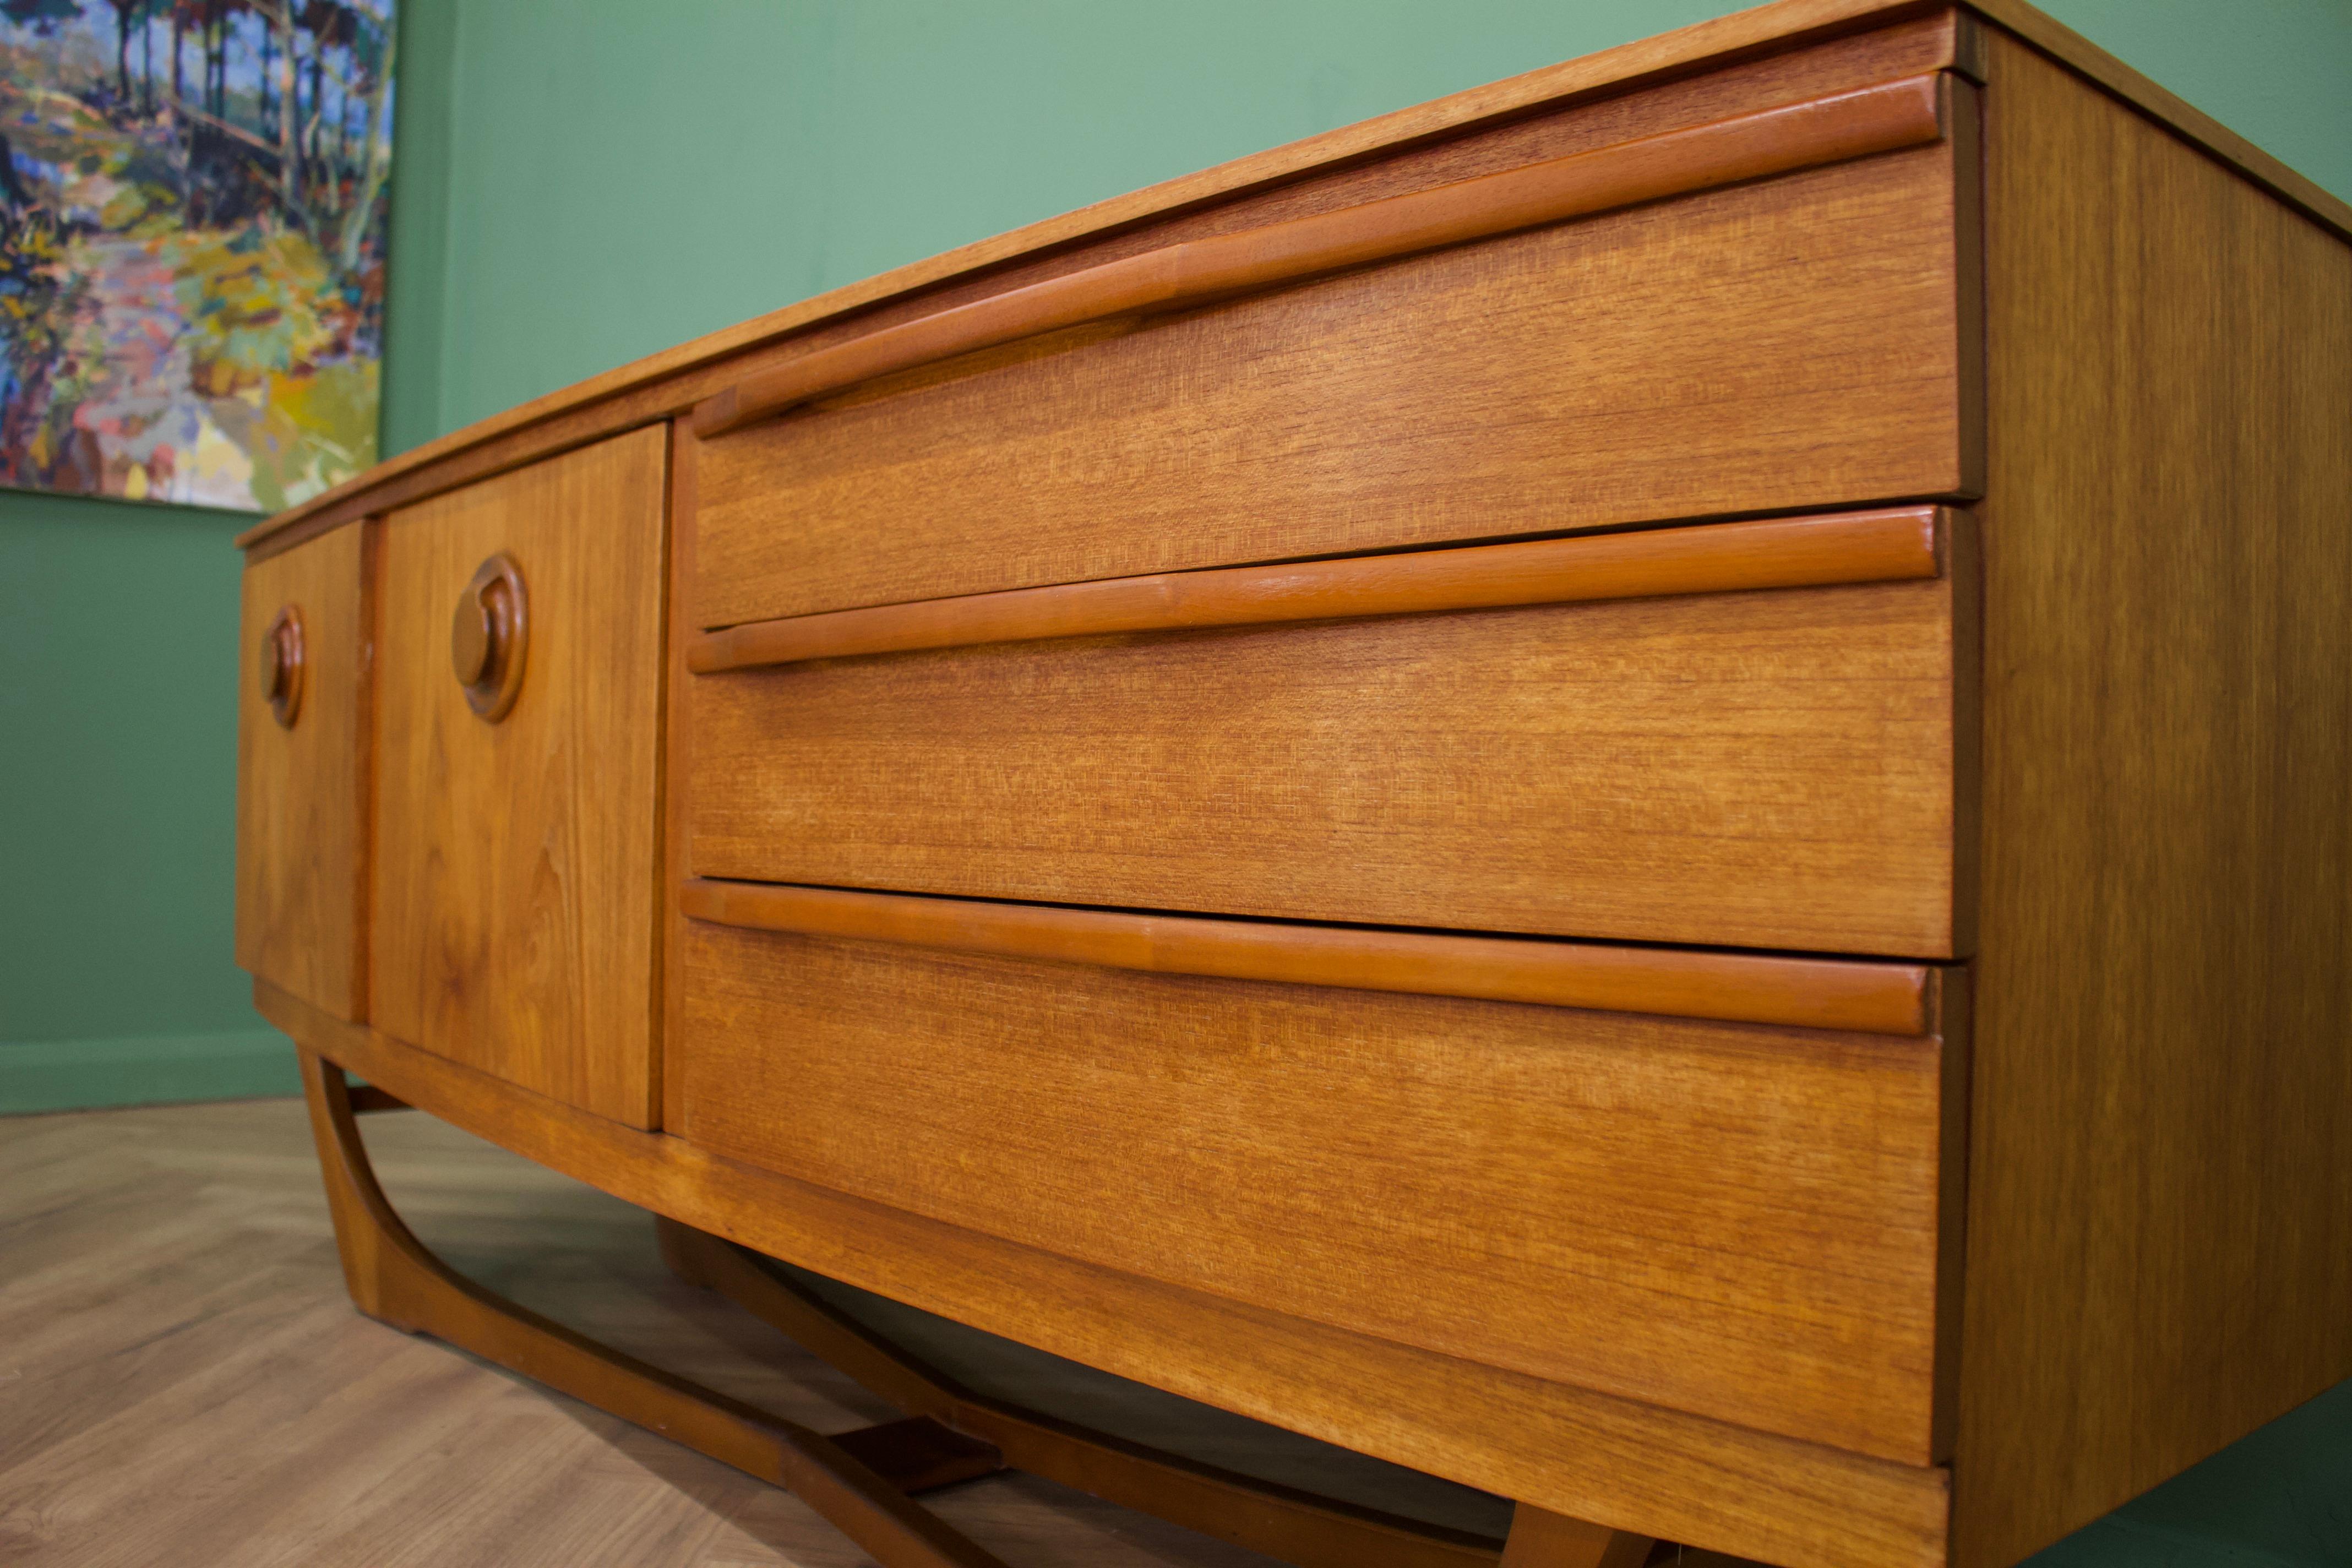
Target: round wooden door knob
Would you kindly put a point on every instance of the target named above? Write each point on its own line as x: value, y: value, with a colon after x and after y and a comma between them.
x: 489, y: 636
x: 281, y: 665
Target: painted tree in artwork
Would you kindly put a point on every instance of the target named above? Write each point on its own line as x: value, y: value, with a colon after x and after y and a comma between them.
x: 126, y: 14
x: 370, y: 51
x: 187, y: 16
x: 332, y: 27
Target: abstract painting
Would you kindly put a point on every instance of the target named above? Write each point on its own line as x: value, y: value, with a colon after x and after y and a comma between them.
x: 193, y: 198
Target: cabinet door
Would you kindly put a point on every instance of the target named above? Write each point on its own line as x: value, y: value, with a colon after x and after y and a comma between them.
x: 301, y: 724
x: 515, y: 908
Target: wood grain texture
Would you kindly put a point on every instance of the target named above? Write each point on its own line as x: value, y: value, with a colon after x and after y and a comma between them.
x: 1783, y: 54
x: 1569, y: 1450
x: 515, y: 909
x: 301, y: 790
x: 1786, y: 553
x: 1880, y: 118
x: 1501, y: 1183
x: 1766, y: 770
x: 2160, y: 1214
x: 1772, y: 53
x: 1741, y: 987
x: 1787, y: 344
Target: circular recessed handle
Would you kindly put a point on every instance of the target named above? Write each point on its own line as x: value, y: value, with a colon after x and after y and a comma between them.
x: 489, y: 636
x: 281, y: 665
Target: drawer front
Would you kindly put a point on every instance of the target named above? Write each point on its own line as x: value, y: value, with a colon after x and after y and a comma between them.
x: 301, y: 730
x: 515, y: 910
x: 1792, y: 343
x: 1761, y: 769
x: 1731, y: 1219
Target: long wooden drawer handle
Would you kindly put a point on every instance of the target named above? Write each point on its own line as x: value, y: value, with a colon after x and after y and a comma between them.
x: 1857, y: 994
x: 283, y: 666
x: 490, y: 637
x: 1714, y: 558
x: 1867, y: 120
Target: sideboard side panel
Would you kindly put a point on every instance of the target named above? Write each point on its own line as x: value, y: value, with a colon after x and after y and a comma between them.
x: 2160, y: 1208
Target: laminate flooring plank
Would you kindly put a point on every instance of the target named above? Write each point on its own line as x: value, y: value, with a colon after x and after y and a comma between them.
x: 183, y: 1379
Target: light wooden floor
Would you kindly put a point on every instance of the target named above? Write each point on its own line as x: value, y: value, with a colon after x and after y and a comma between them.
x: 184, y: 1381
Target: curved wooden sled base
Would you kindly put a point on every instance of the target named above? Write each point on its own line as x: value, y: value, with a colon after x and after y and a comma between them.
x: 393, y: 1279
x: 859, y: 1482
x: 1297, y: 1527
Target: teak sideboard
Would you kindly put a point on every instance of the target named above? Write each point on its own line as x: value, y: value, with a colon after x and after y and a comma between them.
x: 1632, y: 787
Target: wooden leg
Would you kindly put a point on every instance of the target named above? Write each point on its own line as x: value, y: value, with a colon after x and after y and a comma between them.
x: 1297, y: 1527
x: 1541, y: 1540
x: 393, y: 1278
x: 859, y: 1480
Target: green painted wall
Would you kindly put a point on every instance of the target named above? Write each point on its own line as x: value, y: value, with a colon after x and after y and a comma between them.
x: 583, y: 181
x: 118, y: 761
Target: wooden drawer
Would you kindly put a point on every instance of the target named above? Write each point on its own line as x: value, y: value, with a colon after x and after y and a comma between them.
x: 1739, y: 1219
x: 301, y: 732
x: 515, y: 909
x: 1786, y: 343
x: 1770, y: 768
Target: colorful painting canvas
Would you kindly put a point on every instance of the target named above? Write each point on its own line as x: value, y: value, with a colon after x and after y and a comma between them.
x: 193, y: 198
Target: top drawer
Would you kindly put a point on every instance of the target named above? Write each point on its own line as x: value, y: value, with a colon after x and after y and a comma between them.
x: 1792, y: 343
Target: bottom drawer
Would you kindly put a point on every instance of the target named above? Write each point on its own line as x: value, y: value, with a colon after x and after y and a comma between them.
x: 1737, y: 1219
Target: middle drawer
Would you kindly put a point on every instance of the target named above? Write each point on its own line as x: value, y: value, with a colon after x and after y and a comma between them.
x: 1765, y: 768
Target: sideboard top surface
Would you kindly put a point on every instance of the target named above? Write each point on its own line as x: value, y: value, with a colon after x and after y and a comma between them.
x: 663, y: 384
